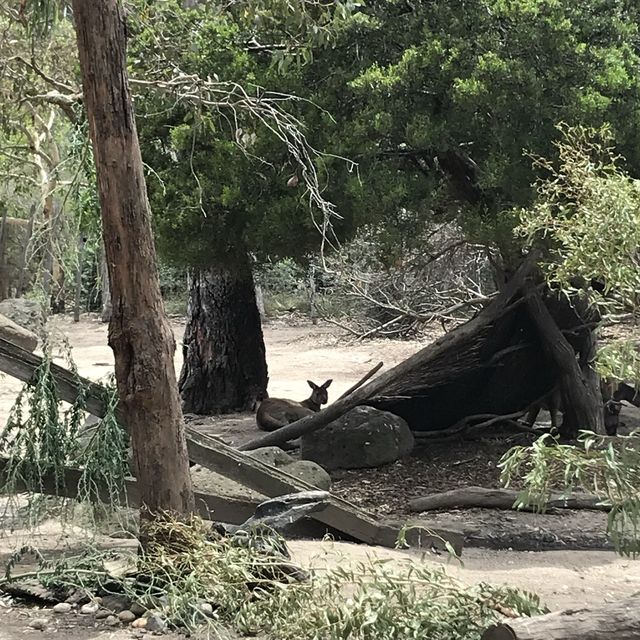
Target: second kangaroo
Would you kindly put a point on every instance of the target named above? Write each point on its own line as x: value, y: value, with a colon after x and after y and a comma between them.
x: 274, y: 413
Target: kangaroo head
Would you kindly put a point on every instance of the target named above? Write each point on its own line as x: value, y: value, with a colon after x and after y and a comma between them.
x: 319, y: 394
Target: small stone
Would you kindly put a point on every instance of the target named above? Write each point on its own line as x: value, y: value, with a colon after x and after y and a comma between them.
x: 137, y: 608
x: 89, y: 608
x: 112, y: 621
x: 62, y: 607
x: 155, y: 623
x: 102, y: 614
x: 38, y: 623
x: 126, y: 616
x: 206, y: 608
x: 140, y: 623
x: 115, y: 603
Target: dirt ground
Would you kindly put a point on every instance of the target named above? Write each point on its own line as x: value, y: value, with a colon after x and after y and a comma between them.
x: 573, y: 566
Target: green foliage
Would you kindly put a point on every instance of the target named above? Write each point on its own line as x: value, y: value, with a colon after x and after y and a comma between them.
x: 586, y: 222
x: 606, y: 467
x: 437, y: 101
x: 221, y: 165
x: 41, y: 439
x: 186, y: 565
x: 588, y: 212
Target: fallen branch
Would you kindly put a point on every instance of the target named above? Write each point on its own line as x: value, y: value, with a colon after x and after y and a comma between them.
x: 504, y: 499
x: 362, y: 380
x: 465, y: 425
x: 619, y: 620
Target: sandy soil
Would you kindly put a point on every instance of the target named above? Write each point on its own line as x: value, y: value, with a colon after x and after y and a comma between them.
x: 562, y: 578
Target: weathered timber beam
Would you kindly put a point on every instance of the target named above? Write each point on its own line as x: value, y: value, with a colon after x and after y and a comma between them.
x: 338, y: 514
x: 210, y: 507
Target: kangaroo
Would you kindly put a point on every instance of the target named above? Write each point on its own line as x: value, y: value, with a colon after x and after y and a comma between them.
x: 274, y: 413
x: 552, y: 403
x: 612, y: 394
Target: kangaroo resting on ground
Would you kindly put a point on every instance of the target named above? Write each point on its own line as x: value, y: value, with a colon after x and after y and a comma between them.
x: 274, y: 413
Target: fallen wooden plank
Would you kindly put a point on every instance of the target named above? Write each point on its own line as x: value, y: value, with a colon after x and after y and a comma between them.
x: 479, y: 497
x: 213, y: 454
x: 210, y: 507
x: 21, y: 364
x: 619, y: 620
x: 339, y: 514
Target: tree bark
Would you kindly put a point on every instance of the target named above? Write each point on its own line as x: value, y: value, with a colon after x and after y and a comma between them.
x: 23, y: 279
x: 224, y: 367
x: 139, y: 331
x: 619, y: 620
x: 105, y: 287
x: 4, y: 233
x: 78, y: 296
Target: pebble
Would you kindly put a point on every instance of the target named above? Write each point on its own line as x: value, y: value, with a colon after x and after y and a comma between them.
x: 62, y: 607
x: 112, y: 621
x: 102, y: 614
x: 126, y: 616
x: 206, y: 608
x: 140, y: 623
x: 137, y: 608
x: 155, y: 623
x: 38, y: 623
x: 89, y: 608
x: 115, y: 603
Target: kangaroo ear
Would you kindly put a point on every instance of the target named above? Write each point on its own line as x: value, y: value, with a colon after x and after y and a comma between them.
x: 327, y: 384
x: 313, y: 385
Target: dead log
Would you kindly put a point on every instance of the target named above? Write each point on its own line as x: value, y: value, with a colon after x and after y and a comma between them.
x: 619, y: 620
x: 13, y: 332
x: 444, y: 380
x: 504, y: 499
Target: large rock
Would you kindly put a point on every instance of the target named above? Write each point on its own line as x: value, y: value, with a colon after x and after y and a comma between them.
x: 303, y: 469
x: 13, y: 332
x: 26, y: 313
x: 364, y: 437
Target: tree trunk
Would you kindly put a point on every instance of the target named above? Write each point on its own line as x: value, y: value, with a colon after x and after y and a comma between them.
x: 619, y: 620
x: 106, y: 289
x: 4, y: 233
x: 579, y: 386
x: 224, y: 365
x: 139, y: 331
x: 23, y: 279
x: 77, y: 302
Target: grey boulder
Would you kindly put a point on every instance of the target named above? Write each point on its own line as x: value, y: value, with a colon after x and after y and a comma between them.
x: 362, y: 438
